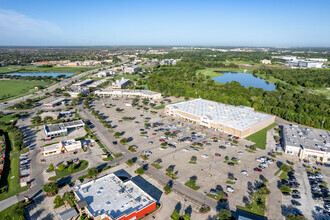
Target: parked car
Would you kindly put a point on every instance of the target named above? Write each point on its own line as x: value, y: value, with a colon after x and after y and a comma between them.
x: 217, y: 155
x: 295, y: 203
x: 231, y: 164
x: 257, y: 169
x: 230, y: 189
x: 296, y: 196
x: 244, y: 172
x: 205, y: 156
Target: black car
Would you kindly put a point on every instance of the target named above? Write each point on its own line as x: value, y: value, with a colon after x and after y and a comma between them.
x: 295, y: 192
x: 222, y: 147
x: 115, y: 142
x: 231, y: 164
x: 286, y: 193
x: 295, y: 203
x: 296, y: 196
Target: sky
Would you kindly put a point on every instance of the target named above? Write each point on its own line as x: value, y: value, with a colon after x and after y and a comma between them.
x: 273, y: 23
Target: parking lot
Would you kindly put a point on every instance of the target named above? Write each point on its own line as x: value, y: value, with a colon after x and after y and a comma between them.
x: 162, y: 138
x: 24, y: 169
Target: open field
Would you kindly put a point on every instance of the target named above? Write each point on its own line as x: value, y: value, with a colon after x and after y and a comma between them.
x: 34, y: 68
x: 260, y: 137
x: 214, y: 72
x: 13, y: 88
x: 130, y: 77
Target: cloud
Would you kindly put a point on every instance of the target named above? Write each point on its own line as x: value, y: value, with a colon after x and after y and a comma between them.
x: 22, y: 28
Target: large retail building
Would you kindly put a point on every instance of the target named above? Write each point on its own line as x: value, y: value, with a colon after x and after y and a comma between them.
x: 240, y: 121
x: 307, y: 143
x: 110, y: 198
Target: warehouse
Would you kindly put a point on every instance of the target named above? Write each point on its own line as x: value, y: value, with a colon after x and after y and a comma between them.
x: 120, y: 84
x: 61, y: 128
x: 110, y: 198
x: 61, y: 147
x: 129, y: 93
x: 55, y: 102
x: 306, y: 143
x: 240, y: 121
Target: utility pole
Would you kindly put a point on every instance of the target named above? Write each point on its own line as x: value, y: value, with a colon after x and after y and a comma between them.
x: 323, y: 122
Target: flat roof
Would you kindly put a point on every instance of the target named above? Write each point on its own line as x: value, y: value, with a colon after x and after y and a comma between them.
x: 238, y: 117
x: 86, y: 81
x: 56, y: 101
x: 128, y: 91
x: 309, y: 138
x: 121, y: 82
x: 57, y: 146
x: 113, y: 197
x: 64, y: 126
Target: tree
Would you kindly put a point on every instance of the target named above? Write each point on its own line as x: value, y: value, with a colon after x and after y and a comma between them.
x: 117, y: 135
x: 19, y: 209
x: 224, y: 214
x: 167, y: 189
x: 285, y: 167
x: 58, y: 201
x: 285, y: 189
x: 139, y: 171
x: 48, y: 118
x: 71, y: 168
x: 175, y: 215
x: 92, y: 172
x: 123, y: 141
x: 69, y: 197
x: 186, y: 216
x: 295, y: 217
x: 50, y: 188
x: 36, y: 120
x: 61, y: 167
x: 51, y: 166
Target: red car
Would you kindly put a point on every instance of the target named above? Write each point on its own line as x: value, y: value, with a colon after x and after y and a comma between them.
x: 217, y: 155
x: 153, y: 133
x: 161, y: 140
x: 257, y: 169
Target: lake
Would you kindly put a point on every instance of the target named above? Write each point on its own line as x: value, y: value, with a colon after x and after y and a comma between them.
x: 246, y: 80
x: 54, y: 75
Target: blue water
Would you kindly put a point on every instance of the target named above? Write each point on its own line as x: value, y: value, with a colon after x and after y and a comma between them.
x: 246, y: 80
x: 40, y: 74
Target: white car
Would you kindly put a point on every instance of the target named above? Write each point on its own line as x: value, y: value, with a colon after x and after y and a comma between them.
x: 161, y: 148
x: 148, y: 152
x: 245, y: 172
x: 240, y: 152
x: 230, y: 189
x: 205, y: 156
x: 185, y: 149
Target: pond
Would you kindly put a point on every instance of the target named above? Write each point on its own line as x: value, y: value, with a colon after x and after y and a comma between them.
x: 246, y: 80
x: 54, y: 75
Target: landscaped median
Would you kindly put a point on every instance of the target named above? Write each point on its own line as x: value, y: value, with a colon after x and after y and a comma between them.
x: 192, y: 184
x: 259, y: 138
x: 83, y: 164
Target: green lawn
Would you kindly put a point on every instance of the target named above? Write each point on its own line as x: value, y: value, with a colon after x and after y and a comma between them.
x: 259, y: 138
x: 13, y: 88
x: 192, y: 184
x: 254, y: 210
x: 35, y: 68
x: 11, y: 214
x: 60, y: 174
x: 212, y: 72
x: 13, y: 176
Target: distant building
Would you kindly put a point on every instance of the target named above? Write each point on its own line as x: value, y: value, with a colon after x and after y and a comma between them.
x: 129, y: 93
x: 240, y: 121
x: 307, y: 143
x: 168, y: 62
x: 82, y: 83
x: 105, y: 73
x: 120, y: 84
x: 287, y: 57
x: 110, y: 198
x: 96, y: 83
x: 75, y: 93
x: 318, y: 59
x: 55, y: 102
x: 266, y: 62
x: 310, y: 64
x: 131, y: 69
x: 61, y: 147
x: 61, y: 128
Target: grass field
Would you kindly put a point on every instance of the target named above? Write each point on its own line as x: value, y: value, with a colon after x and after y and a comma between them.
x: 255, y: 210
x: 259, y: 138
x: 13, y: 176
x: 11, y: 214
x: 130, y: 77
x: 60, y: 174
x: 13, y: 88
x: 35, y: 68
x: 214, y: 72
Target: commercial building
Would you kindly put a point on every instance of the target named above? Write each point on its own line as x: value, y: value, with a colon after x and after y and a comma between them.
x: 310, y: 64
x: 240, y: 121
x: 96, y: 83
x: 307, y: 143
x: 120, y: 84
x: 55, y: 102
x: 61, y: 147
x: 81, y: 90
x: 129, y: 93
x: 318, y: 59
x: 131, y: 69
x: 110, y: 198
x: 287, y: 57
x: 168, y: 62
x: 105, y: 73
x: 82, y: 83
x: 61, y: 128
x: 266, y: 61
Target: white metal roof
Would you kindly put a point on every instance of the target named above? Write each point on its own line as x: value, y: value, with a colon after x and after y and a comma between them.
x: 238, y: 117
x: 109, y: 195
